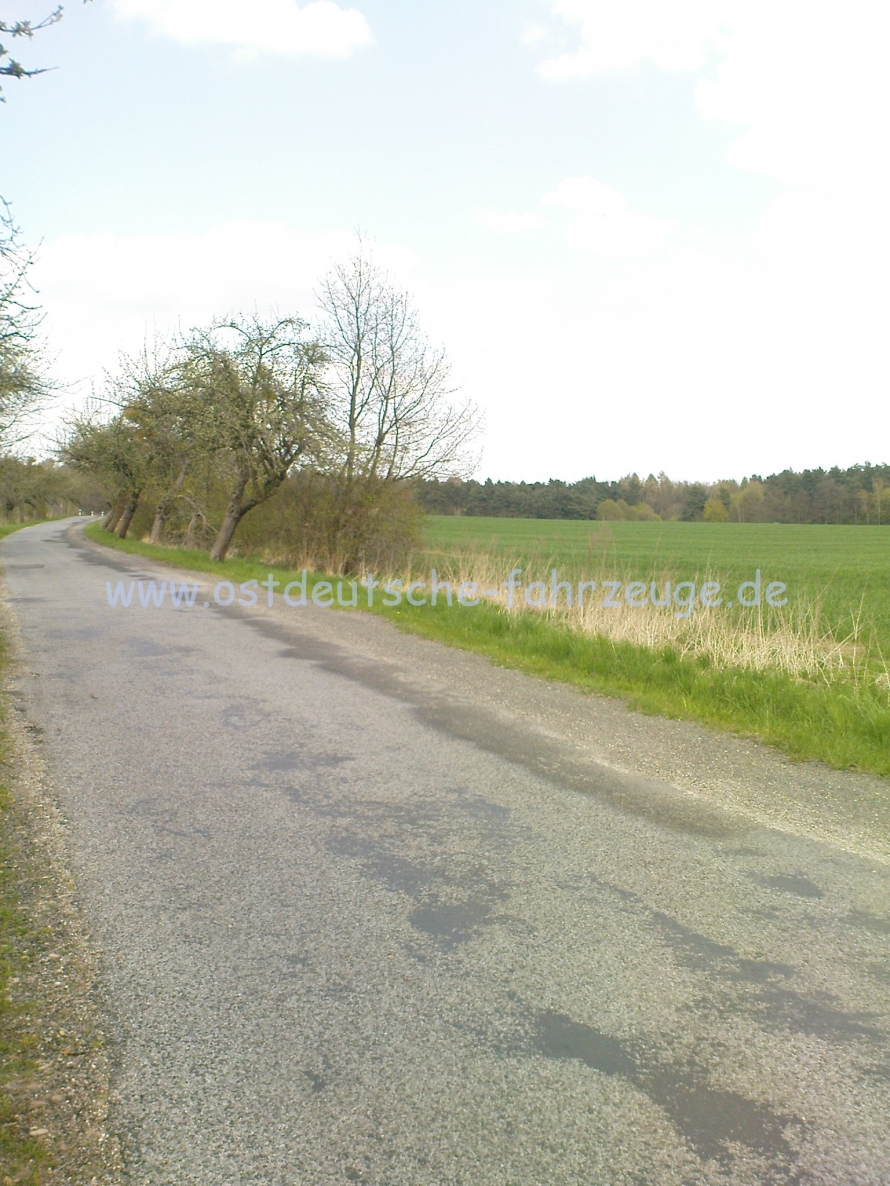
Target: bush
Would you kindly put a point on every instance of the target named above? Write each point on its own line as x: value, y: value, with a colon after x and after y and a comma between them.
x: 610, y: 509
x: 715, y: 511
x: 645, y: 513
x: 328, y: 525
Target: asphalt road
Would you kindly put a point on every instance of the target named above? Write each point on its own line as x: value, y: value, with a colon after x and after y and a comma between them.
x: 371, y: 910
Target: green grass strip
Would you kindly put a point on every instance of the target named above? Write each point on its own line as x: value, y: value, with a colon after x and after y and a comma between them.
x: 21, y: 1156
x: 234, y: 569
x: 9, y: 528
x: 844, y: 725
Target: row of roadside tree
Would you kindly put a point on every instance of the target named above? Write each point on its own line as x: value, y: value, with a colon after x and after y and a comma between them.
x: 310, y: 435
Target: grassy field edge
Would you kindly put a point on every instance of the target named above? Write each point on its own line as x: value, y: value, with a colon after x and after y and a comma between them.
x: 845, y: 725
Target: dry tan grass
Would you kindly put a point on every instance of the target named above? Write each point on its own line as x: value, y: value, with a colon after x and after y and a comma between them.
x: 791, y: 639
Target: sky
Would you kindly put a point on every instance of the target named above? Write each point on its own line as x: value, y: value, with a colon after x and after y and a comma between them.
x: 650, y: 234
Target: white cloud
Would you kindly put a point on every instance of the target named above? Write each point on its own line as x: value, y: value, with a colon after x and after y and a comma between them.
x: 601, y: 221
x: 808, y: 89
x: 796, y: 313
x: 534, y: 34
x: 509, y: 222
x: 617, y: 35
x: 708, y: 363
x: 320, y: 29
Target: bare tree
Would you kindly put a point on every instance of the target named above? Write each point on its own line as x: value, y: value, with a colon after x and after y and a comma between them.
x: 24, y: 387
x: 9, y: 67
x: 390, y: 389
x: 23, y: 383
x: 258, y: 386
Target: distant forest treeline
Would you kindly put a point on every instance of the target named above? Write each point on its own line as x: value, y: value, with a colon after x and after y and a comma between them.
x: 860, y: 494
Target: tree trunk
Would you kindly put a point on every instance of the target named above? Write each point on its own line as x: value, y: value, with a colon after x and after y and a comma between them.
x: 157, y: 528
x: 163, y: 508
x: 114, y: 516
x: 234, y: 515
x: 189, y: 540
x: 127, y: 517
x: 235, y: 512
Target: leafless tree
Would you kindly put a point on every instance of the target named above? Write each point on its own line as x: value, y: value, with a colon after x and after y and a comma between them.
x: 9, y: 67
x: 23, y: 383
x: 24, y: 387
x: 390, y: 390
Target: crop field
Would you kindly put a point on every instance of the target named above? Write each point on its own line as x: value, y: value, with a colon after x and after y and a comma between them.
x: 837, y: 577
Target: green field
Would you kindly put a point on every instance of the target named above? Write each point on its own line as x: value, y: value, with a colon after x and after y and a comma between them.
x: 843, y: 572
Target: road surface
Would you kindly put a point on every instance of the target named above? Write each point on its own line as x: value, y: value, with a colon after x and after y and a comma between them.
x: 372, y: 910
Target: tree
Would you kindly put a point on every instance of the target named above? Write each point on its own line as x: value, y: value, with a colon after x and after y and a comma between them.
x: 715, y: 511
x: 241, y: 403
x: 37, y: 490
x: 159, y: 401
x: 390, y: 391
x: 645, y: 513
x: 748, y: 501
x: 114, y: 453
x: 694, y: 502
x: 136, y: 435
x: 9, y: 67
x: 23, y: 384
x: 882, y: 501
x: 390, y: 399
x: 258, y: 387
x: 609, y: 509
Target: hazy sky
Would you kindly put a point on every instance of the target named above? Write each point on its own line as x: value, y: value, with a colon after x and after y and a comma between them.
x: 651, y: 234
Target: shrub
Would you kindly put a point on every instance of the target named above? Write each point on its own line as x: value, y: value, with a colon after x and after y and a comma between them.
x: 612, y: 509
x: 327, y: 524
x: 609, y: 509
x: 715, y: 511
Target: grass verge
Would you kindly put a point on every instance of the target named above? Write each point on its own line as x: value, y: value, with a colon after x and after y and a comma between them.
x: 844, y: 724
x: 53, y: 1064
x: 9, y: 528
x: 21, y: 1155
